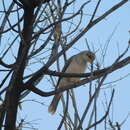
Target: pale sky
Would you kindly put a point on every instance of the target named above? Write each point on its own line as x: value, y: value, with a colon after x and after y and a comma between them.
x: 97, y: 37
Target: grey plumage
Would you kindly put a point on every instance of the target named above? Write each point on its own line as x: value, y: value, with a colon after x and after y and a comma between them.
x: 75, y: 64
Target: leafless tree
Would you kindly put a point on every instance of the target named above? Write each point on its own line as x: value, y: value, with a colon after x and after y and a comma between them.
x: 34, y: 36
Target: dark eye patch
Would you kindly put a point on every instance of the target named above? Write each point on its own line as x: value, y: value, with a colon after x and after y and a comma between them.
x: 89, y: 56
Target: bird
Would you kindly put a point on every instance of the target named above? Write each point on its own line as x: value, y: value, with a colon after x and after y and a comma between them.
x: 75, y: 64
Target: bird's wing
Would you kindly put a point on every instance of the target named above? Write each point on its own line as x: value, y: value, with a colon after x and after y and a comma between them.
x: 68, y: 62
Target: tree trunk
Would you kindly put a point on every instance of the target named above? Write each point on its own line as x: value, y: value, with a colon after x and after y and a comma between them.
x: 16, y: 82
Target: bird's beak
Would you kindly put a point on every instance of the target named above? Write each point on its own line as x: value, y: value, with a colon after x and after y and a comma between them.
x: 90, y: 60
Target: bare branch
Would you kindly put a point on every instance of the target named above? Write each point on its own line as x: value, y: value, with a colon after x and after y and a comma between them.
x: 106, y: 114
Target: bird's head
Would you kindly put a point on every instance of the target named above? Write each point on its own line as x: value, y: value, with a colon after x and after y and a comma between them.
x: 88, y: 56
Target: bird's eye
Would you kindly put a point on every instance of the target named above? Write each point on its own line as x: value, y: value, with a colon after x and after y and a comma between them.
x: 89, y: 56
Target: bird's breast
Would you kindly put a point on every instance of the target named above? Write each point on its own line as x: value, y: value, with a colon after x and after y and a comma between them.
x: 76, y: 68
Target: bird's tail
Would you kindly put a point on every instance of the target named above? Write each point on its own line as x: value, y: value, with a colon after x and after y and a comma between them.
x: 53, y: 106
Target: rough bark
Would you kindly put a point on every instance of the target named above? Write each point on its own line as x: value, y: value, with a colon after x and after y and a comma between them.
x: 15, y: 85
